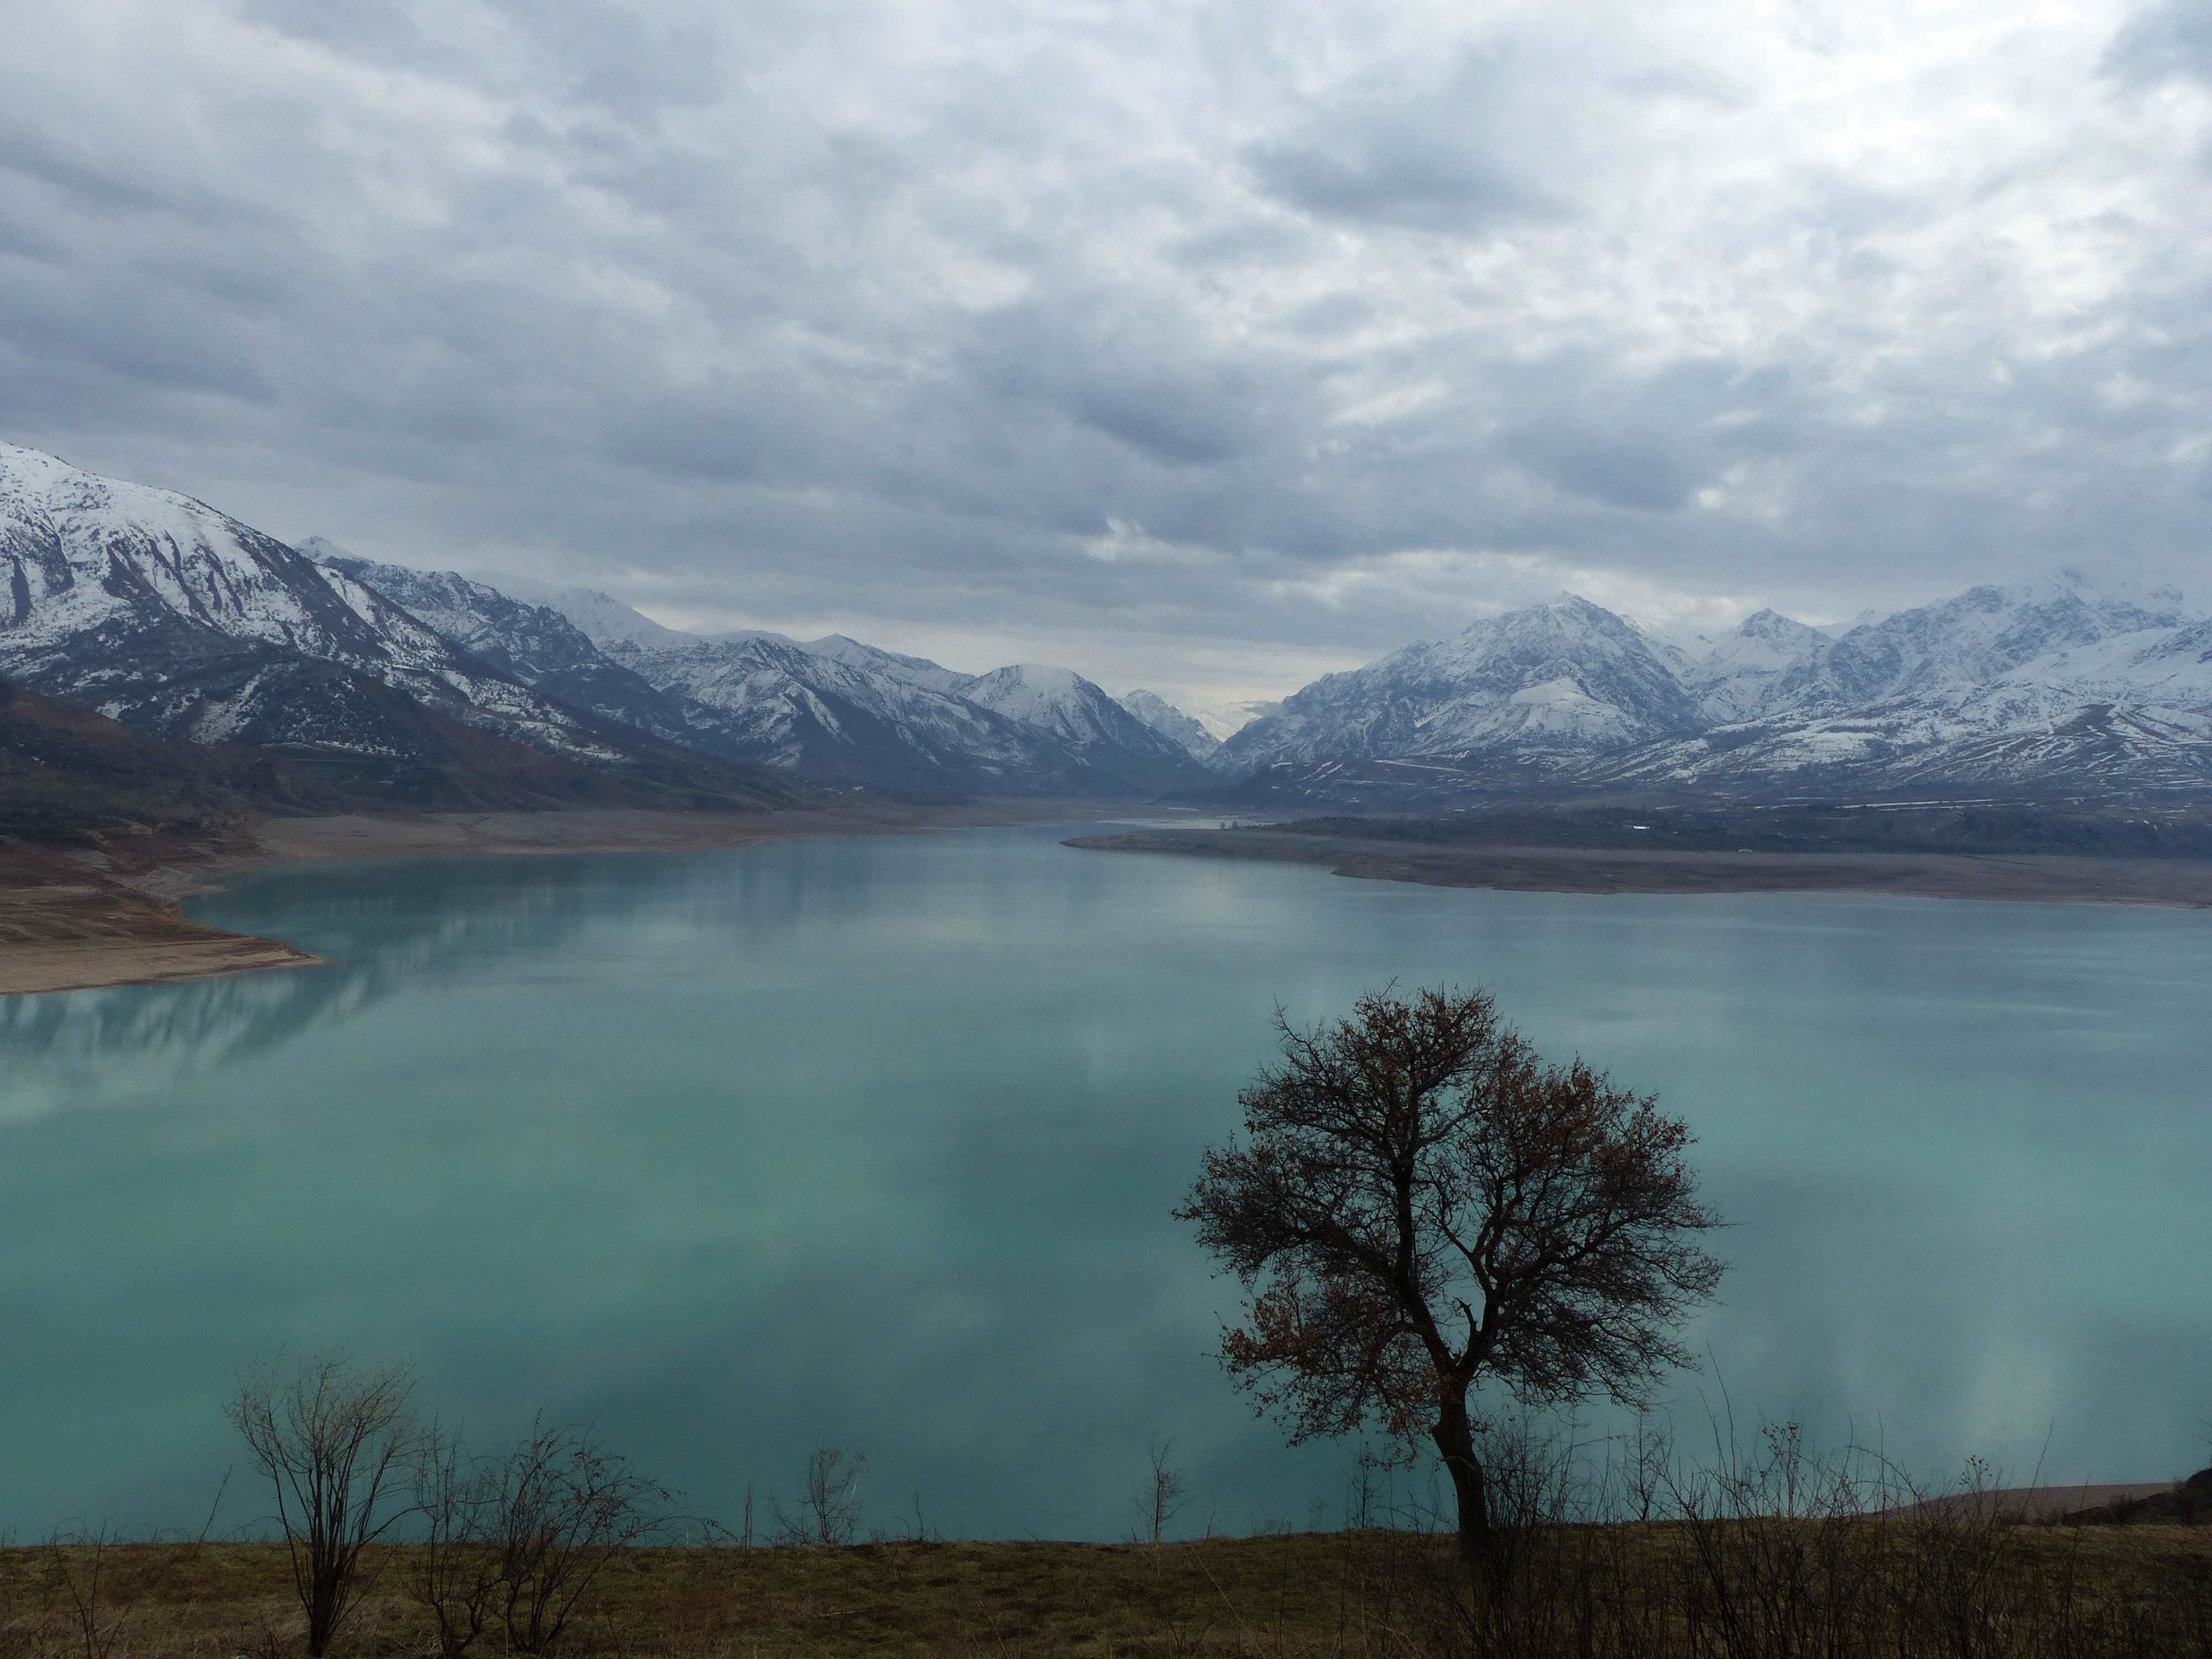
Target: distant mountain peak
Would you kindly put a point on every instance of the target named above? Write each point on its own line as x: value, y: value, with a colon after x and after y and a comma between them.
x: 1766, y: 623
x: 605, y: 619
x: 1172, y: 722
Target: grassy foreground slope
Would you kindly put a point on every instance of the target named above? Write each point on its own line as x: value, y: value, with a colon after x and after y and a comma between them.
x: 1898, y: 1588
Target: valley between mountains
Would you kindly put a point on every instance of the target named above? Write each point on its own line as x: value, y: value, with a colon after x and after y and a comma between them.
x: 181, y: 693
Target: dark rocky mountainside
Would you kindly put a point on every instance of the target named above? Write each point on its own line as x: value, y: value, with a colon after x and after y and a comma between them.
x: 67, y: 772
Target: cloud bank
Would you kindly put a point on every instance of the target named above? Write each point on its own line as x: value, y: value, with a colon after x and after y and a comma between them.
x: 1205, y: 347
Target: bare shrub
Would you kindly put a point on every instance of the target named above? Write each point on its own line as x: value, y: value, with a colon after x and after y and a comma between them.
x: 94, y: 1587
x: 828, y: 1509
x: 454, y: 1574
x: 563, y: 1506
x: 330, y: 1440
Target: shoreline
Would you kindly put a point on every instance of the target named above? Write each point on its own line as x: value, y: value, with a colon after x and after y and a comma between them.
x: 84, y: 919
x: 2033, y: 879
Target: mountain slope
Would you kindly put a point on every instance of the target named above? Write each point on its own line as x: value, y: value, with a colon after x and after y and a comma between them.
x: 1094, y: 728
x: 1937, y: 652
x: 2043, y: 686
x: 1171, y: 723
x: 1768, y: 663
x: 2050, y: 684
x: 1553, y: 681
x: 179, y: 621
x: 840, y: 711
x: 536, y: 644
x: 892, y: 665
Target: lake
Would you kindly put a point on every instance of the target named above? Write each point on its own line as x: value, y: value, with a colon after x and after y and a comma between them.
x: 872, y: 1142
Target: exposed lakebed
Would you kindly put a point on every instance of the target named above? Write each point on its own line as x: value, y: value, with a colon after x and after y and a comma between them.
x: 872, y: 1142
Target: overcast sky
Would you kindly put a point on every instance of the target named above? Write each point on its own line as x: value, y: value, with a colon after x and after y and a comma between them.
x: 1200, y: 345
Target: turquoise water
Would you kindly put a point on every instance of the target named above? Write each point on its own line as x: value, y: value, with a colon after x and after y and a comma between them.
x: 872, y: 1143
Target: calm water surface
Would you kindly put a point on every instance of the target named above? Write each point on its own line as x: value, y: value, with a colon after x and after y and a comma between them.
x: 872, y: 1143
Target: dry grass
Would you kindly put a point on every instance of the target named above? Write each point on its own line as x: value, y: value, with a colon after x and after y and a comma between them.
x: 1289, y: 1594
x: 1611, y: 1590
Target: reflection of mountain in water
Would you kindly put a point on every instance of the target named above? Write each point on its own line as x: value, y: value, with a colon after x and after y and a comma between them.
x: 386, y: 928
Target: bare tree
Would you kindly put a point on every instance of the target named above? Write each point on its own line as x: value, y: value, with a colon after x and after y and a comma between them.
x: 332, y: 1441
x: 564, y: 1507
x: 1421, y: 1205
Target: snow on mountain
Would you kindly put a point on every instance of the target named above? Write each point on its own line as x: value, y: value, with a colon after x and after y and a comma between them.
x: 2055, y: 682
x: 1080, y: 715
x: 1171, y: 723
x: 182, y: 622
x: 1766, y: 664
x: 774, y: 701
x: 838, y: 709
x: 602, y: 618
x: 536, y: 644
x: 1561, y: 678
x: 913, y: 670
x: 2050, y: 683
x: 179, y: 621
x: 1941, y: 651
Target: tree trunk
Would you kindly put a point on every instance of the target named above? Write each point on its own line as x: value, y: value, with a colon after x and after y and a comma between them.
x: 1454, y: 1437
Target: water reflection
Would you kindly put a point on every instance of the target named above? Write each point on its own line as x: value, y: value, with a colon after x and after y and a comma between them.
x: 872, y: 1142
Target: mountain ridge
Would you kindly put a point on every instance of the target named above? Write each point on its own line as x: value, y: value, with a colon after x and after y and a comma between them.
x: 183, y: 624
x: 2047, y: 684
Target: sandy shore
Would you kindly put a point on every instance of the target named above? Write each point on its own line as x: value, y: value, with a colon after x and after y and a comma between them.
x: 2053, y: 879
x: 74, y: 919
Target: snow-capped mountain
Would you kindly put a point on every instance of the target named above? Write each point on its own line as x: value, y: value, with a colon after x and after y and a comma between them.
x: 1941, y: 652
x: 2053, y: 682
x: 1080, y: 713
x: 1768, y: 662
x: 840, y: 717
x: 2048, y: 684
x: 1172, y: 722
x: 835, y: 710
x: 1568, y: 679
x: 179, y: 621
x: 600, y: 617
x: 774, y: 701
x: 536, y: 644
x: 872, y: 659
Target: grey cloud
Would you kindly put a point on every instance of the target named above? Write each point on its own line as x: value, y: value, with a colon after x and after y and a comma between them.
x: 89, y: 184
x: 2170, y: 41
x: 800, y: 313
x: 625, y: 63
x: 1585, y: 462
x: 1245, y: 241
x: 1109, y: 369
x: 1423, y: 158
x: 1330, y: 314
x: 634, y: 65
x: 1417, y: 180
